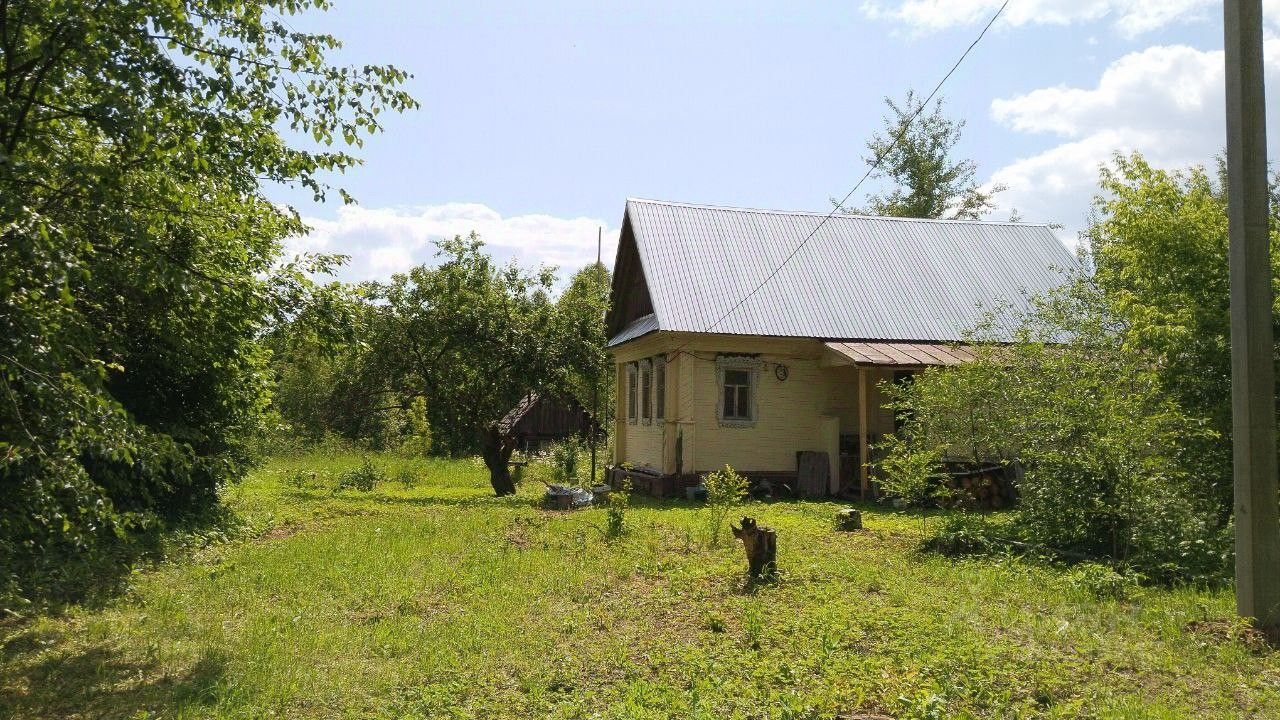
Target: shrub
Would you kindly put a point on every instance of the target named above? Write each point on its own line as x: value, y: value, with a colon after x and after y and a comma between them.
x: 616, y: 515
x: 407, y: 478
x: 1110, y: 471
x: 1101, y: 582
x: 912, y: 476
x: 962, y: 534
x: 725, y: 489
x: 566, y: 457
x: 363, y: 478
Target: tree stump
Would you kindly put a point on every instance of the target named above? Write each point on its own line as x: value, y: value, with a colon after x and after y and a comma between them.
x: 849, y: 519
x: 761, y: 545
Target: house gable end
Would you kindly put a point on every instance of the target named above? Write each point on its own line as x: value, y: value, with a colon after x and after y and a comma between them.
x: 629, y: 297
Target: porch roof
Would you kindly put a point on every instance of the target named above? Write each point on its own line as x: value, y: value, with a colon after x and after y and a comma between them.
x: 902, y: 354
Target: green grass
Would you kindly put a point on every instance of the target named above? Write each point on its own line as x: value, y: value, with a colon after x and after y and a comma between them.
x: 441, y: 601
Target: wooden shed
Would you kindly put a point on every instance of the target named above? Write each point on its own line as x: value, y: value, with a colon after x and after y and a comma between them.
x: 536, y: 421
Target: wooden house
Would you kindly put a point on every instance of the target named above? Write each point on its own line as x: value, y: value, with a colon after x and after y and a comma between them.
x: 745, y: 337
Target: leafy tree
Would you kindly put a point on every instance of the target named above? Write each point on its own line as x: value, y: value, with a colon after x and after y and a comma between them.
x: 138, y: 253
x: 1158, y: 241
x: 1107, y: 464
x: 473, y: 337
x: 914, y: 151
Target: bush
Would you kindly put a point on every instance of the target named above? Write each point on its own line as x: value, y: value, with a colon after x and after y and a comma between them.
x: 1109, y: 470
x: 1101, y: 582
x: 363, y: 478
x: 962, y: 534
x: 616, y: 515
x: 725, y: 489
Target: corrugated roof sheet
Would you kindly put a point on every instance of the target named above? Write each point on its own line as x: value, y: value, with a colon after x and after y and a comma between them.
x: 642, y: 325
x: 902, y: 354
x: 859, y: 277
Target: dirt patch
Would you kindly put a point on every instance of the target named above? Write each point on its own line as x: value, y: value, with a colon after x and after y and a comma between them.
x: 1225, y: 631
x: 280, y: 532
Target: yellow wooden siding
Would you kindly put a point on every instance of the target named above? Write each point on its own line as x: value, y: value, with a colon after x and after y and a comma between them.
x: 789, y: 413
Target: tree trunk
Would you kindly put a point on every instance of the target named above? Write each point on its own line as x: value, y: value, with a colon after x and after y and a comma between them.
x: 761, y: 545
x: 496, y: 451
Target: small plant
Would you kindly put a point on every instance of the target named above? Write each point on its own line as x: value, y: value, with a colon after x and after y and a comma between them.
x: 417, y: 439
x: 1101, y: 582
x: 301, y: 479
x: 962, y: 534
x: 909, y: 473
x: 725, y: 489
x: 407, y: 478
x: 362, y: 478
x: 616, y: 516
x: 565, y: 457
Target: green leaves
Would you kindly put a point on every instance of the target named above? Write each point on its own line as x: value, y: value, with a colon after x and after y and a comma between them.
x: 134, y: 235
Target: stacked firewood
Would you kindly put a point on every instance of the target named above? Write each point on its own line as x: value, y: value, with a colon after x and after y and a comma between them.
x: 980, y: 488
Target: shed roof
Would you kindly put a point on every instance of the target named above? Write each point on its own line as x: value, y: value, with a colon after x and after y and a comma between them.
x: 899, y: 353
x: 858, y: 277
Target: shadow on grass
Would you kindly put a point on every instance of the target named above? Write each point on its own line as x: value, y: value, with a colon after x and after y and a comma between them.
x: 100, y: 682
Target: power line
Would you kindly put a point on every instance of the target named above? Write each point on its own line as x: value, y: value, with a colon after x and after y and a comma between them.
x: 875, y: 165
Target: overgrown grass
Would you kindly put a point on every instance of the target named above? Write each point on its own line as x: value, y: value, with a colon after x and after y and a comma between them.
x: 432, y: 599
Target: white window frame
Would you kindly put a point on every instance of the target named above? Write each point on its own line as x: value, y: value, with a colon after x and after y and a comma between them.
x: 752, y: 366
x: 646, y: 391
x: 633, y: 387
x: 660, y: 388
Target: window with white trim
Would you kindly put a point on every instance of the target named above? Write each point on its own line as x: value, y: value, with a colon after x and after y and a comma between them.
x: 631, y: 392
x: 660, y: 387
x: 646, y: 391
x: 738, y: 378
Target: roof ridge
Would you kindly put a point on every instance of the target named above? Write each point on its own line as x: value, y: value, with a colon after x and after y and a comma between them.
x: 837, y: 215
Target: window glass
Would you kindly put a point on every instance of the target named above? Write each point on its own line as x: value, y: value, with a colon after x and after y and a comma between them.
x: 660, y: 389
x: 631, y: 391
x: 737, y: 394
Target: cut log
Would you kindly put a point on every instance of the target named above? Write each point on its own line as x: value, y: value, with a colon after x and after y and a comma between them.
x: 761, y: 546
x: 848, y: 519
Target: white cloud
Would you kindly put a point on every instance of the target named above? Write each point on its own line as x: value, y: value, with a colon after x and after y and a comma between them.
x: 1166, y: 102
x: 382, y: 241
x: 1129, y: 17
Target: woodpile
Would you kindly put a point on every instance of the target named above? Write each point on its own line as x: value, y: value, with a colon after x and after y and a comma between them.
x: 979, y: 488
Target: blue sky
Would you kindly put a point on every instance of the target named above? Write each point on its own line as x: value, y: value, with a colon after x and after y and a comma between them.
x: 538, y: 120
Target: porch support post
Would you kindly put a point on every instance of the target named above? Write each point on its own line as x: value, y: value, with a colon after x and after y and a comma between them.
x: 863, y: 476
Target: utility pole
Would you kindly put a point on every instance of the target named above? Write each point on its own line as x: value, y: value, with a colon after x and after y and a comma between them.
x: 595, y: 384
x: 1253, y: 399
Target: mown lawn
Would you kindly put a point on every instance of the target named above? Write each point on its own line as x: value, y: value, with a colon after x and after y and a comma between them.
x: 441, y: 601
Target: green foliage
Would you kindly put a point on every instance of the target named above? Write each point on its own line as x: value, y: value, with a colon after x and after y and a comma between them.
x: 1107, y: 468
x: 1159, y: 245
x: 326, y: 607
x: 725, y: 490
x: 963, y: 534
x: 566, y: 459
x: 139, y: 257
x: 616, y: 513
x: 912, y: 475
x: 417, y: 439
x: 1101, y: 582
x: 363, y: 478
x: 915, y: 156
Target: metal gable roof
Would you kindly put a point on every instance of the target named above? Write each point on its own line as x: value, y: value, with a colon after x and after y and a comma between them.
x: 859, y: 277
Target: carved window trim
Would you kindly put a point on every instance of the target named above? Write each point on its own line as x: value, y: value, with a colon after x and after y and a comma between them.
x: 633, y: 382
x: 646, y: 391
x: 753, y: 367
x: 660, y: 389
